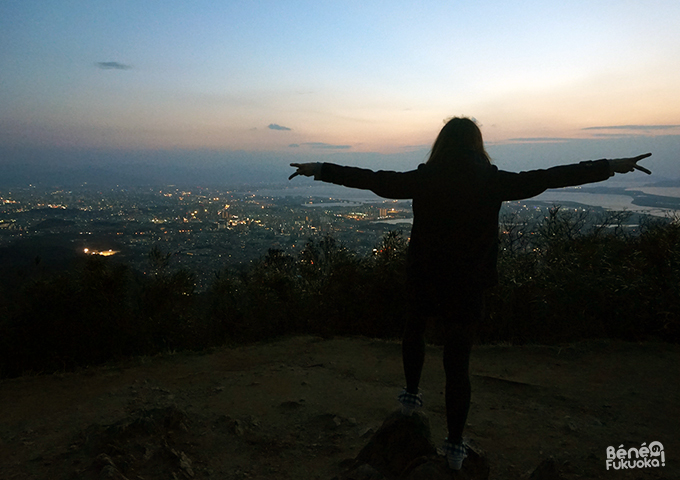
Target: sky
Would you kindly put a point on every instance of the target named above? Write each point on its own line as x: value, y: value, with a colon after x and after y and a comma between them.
x: 368, y: 82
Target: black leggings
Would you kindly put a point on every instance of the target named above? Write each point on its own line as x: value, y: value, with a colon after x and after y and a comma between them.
x: 458, y: 327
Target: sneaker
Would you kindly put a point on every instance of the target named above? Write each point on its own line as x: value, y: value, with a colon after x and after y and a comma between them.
x: 455, y: 454
x: 410, y: 402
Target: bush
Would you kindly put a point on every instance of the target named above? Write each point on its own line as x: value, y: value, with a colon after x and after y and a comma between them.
x: 567, y: 284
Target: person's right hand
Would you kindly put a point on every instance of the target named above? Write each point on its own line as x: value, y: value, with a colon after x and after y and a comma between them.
x: 625, y: 165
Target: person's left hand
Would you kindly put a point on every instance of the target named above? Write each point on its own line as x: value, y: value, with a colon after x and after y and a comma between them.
x: 625, y: 165
x: 305, y: 169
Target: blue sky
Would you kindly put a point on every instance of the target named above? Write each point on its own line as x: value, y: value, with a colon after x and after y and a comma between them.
x: 364, y: 79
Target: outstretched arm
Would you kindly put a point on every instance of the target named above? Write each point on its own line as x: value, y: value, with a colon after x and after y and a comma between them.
x: 384, y: 183
x: 517, y: 186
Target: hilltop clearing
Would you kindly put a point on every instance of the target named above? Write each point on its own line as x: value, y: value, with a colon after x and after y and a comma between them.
x: 300, y: 407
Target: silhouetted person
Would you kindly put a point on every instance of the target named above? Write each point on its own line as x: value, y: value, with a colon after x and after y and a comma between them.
x: 453, y: 250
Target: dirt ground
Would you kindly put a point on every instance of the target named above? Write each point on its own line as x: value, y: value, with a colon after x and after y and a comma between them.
x: 301, y: 408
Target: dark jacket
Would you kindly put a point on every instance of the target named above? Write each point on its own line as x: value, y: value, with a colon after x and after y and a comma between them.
x: 454, y: 239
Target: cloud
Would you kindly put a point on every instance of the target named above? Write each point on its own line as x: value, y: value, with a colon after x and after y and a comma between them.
x: 614, y: 135
x: 273, y: 126
x: 539, y: 140
x: 326, y: 146
x: 294, y: 145
x: 423, y: 146
x: 634, y: 127
x: 113, y: 66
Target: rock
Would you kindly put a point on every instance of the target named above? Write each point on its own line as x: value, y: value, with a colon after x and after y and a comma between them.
x: 397, y: 443
x: 237, y: 428
x: 363, y: 472
x: 145, y: 444
x: 109, y: 472
x: 103, y: 460
x: 402, y: 449
x: 185, y: 462
x: 107, y: 469
x: 429, y: 468
x: 290, y: 406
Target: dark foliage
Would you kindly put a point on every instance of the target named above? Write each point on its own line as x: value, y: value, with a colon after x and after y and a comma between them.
x: 561, y: 280
x: 568, y: 282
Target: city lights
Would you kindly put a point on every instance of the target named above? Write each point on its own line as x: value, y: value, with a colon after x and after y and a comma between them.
x: 103, y: 253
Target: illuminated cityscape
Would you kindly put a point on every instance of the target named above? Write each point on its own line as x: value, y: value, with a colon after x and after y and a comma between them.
x: 204, y: 230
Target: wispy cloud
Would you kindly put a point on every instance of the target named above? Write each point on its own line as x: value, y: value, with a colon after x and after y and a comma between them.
x: 539, y: 140
x: 274, y: 126
x: 321, y: 145
x: 633, y: 127
x: 412, y: 148
x: 113, y: 66
x: 614, y: 135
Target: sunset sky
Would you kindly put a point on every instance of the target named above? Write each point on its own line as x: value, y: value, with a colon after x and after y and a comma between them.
x: 320, y: 77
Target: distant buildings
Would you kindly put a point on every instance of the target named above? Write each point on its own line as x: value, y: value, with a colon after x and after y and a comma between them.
x: 205, y: 230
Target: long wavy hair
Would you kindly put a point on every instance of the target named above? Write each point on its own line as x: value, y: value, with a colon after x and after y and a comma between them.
x: 460, y: 138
